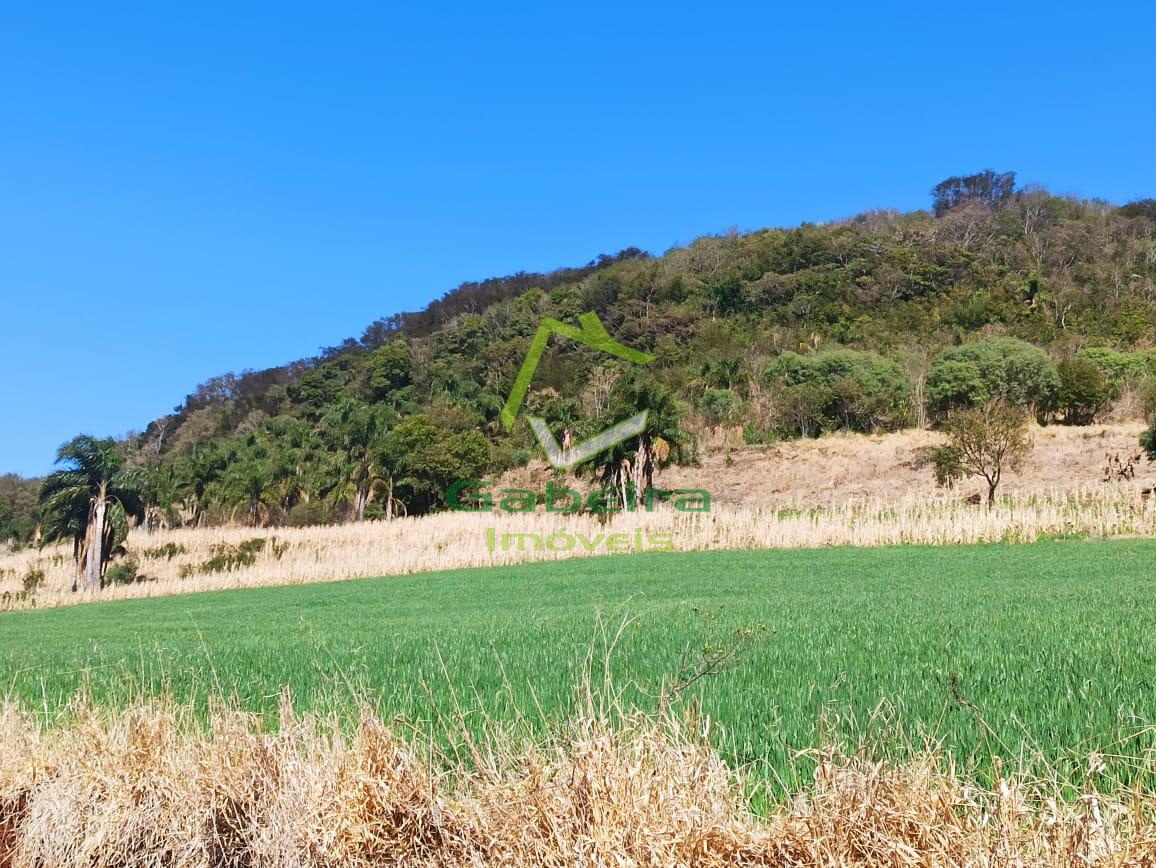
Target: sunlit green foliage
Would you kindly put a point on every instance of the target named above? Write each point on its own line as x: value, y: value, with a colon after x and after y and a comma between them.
x: 997, y: 369
x: 840, y: 389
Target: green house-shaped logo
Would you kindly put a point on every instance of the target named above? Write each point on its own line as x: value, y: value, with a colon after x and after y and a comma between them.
x: 593, y: 334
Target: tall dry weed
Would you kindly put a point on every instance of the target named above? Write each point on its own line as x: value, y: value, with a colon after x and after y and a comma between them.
x: 457, y: 539
x: 146, y: 786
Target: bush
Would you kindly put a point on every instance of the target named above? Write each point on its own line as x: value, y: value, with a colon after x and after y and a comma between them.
x: 1121, y: 369
x: 168, y: 551
x: 718, y: 405
x: 1148, y: 441
x: 127, y: 572
x: 309, y: 513
x: 755, y: 435
x: 840, y: 389
x: 1148, y: 398
x: 32, y: 580
x: 996, y: 369
x: 227, y: 558
x: 1084, y: 390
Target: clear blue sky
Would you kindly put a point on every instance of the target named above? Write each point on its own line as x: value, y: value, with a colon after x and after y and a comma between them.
x: 195, y: 188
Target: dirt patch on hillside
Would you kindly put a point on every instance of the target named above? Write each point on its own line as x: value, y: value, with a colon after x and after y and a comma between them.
x: 832, y: 470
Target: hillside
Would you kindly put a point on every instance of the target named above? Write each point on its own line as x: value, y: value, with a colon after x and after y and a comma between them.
x: 863, y: 324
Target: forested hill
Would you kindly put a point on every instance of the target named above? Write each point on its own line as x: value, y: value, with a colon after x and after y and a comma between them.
x: 874, y: 322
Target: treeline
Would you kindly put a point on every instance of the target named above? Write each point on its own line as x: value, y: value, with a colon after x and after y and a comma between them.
x: 873, y: 323
x: 19, y: 513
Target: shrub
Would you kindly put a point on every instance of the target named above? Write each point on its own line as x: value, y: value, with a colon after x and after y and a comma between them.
x: 840, y: 389
x: 309, y: 513
x: 1084, y: 390
x: 127, y: 572
x: 1004, y: 369
x: 754, y: 435
x: 718, y: 405
x: 1148, y: 398
x: 1148, y: 441
x: 168, y: 551
x: 32, y: 580
x: 227, y: 558
x: 1120, y: 369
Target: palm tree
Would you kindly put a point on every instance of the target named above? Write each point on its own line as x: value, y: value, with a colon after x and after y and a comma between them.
x: 91, y: 499
x: 293, y: 463
x: 629, y: 466
x: 360, y: 463
x: 195, y: 472
x: 252, y: 487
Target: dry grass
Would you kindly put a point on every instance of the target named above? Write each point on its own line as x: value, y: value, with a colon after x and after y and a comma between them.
x: 450, y: 540
x: 146, y: 787
x: 847, y: 490
x: 830, y: 470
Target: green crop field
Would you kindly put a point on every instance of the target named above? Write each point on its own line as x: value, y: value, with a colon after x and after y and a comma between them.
x: 1053, y: 644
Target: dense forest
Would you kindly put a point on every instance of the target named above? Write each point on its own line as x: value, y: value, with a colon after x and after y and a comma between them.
x: 872, y: 323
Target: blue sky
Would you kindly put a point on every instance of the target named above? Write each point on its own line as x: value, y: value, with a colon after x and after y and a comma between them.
x: 186, y: 190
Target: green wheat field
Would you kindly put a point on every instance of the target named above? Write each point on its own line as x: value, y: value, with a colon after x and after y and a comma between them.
x: 1036, y: 654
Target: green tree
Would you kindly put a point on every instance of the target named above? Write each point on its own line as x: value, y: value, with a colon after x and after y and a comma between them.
x: 629, y: 466
x: 193, y: 477
x: 251, y: 488
x: 359, y: 461
x: 1083, y: 391
x: 840, y: 389
x: 718, y: 405
x: 91, y: 499
x: 982, y: 441
x: 974, y: 374
x: 430, y: 457
x: 389, y: 371
x: 249, y: 483
x: 1148, y: 441
x: 19, y: 515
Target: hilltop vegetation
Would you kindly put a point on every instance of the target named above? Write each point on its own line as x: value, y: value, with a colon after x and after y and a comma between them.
x: 872, y: 323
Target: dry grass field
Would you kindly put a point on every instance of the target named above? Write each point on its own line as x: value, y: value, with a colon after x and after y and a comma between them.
x: 844, y: 490
x: 833, y: 470
x: 144, y: 787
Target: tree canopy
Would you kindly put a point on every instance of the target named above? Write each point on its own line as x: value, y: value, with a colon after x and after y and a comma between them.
x: 868, y: 323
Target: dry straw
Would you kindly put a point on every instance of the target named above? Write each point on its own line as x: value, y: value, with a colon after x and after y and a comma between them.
x: 146, y: 786
x: 451, y: 540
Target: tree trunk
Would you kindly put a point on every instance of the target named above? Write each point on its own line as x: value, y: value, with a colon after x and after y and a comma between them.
x: 362, y: 500
x: 79, y: 553
x: 95, y: 557
x: 643, y: 468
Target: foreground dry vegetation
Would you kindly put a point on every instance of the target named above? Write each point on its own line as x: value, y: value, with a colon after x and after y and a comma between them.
x: 875, y: 496
x: 145, y: 787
